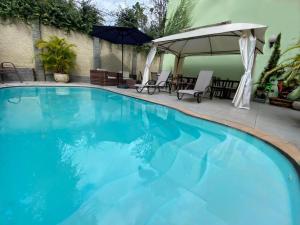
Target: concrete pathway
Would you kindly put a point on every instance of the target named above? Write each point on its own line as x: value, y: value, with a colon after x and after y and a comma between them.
x: 281, y: 122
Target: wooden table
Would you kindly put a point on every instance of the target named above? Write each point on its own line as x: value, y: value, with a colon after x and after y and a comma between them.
x: 183, y: 82
x: 223, y: 88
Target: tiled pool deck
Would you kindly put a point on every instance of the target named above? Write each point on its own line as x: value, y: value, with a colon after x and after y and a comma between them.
x: 276, y: 125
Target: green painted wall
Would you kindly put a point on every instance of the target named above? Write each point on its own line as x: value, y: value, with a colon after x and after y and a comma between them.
x: 279, y: 15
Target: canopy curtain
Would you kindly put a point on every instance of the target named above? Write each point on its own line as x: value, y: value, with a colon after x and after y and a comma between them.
x: 150, y: 58
x: 247, y: 48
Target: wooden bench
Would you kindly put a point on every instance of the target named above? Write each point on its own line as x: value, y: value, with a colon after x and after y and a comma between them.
x: 104, y: 78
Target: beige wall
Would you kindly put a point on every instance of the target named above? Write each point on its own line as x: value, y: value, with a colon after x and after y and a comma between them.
x: 84, y: 48
x: 111, y: 56
x: 16, y: 46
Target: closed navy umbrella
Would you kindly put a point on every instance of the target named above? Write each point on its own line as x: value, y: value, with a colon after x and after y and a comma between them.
x: 121, y: 35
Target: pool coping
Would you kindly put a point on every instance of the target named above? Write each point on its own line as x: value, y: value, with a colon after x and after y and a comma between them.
x: 287, y: 149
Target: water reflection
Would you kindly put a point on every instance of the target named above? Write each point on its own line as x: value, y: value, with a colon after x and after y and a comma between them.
x: 85, y: 156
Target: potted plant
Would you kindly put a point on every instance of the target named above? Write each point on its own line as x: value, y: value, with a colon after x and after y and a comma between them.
x: 57, y: 56
x: 262, y: 92
x: 290, y: 84
x: 266, y: 82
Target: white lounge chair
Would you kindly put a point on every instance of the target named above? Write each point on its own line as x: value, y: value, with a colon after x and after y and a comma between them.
x: 202, y: 83
x: 152, y: 85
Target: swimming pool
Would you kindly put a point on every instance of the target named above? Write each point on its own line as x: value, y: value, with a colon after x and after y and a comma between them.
x: 89, y: 156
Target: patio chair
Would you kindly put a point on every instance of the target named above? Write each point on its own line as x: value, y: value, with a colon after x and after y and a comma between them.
x: 153, y: 85
x: 7, y: 68
x: 202, y: 83
x: 223, y: 88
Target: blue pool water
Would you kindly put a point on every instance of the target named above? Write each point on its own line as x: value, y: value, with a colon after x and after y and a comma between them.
x: 87, y: 156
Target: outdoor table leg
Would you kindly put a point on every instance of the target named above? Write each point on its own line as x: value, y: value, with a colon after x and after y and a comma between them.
x: 211, y: 93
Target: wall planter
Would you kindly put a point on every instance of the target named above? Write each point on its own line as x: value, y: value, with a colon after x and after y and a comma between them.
x: 61, y: 77
x: 281, y: 102
x: 260, y: 96
x: 58, y: 57
x: 296, y: 105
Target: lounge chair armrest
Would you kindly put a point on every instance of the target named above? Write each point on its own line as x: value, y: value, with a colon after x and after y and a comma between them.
x: 150, y: 82
x: 7, y: 65
x: 199, y: 92
x: 189, y: 86
x: 162, y: 82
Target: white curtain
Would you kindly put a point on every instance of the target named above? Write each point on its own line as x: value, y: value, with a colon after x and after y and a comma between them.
x: 149, y: 60
x: 243, y: 94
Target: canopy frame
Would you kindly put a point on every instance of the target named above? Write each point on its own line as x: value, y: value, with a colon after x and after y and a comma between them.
x: 227, y: 29
x: 232, y: 52
x: 223, y: 30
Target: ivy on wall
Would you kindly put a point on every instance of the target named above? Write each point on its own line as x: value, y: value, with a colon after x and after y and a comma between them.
x: 63, y: 14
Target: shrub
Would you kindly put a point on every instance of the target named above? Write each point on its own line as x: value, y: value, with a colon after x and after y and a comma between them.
x: 57, y: 55
x: 63, y: 14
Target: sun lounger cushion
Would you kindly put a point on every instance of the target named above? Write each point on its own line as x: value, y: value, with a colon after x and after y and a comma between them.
x: 188, y: 92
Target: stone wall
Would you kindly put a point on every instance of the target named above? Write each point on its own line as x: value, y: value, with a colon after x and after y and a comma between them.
x: 111, y: 58
x: 17, y: 46
x: 84, y: 48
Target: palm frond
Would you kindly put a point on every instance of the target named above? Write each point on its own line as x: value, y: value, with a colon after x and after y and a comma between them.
x: 57, y: 54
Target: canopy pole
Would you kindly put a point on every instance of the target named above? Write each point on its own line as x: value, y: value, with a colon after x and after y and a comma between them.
x: 254, y: 59
x: 255, y: 54
x: 122, y: 55
x: 177, y: 69
x: 178, y: 66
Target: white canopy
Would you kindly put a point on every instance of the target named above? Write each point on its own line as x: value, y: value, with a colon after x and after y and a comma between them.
x: 219, y: 39
x: 211, y: 40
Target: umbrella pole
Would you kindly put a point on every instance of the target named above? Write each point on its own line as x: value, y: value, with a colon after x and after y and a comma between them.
x: 122, y: 58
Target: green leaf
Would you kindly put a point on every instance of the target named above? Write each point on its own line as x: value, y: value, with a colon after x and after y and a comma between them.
x: 57, y: 54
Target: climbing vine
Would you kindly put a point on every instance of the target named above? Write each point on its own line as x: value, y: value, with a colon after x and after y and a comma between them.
x: 64, y: 14
x: 273, y: 61
x: 180, y: 19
